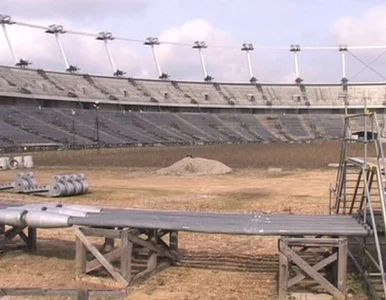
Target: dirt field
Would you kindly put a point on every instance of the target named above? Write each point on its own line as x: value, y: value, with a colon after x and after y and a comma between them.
x: 126, y: 178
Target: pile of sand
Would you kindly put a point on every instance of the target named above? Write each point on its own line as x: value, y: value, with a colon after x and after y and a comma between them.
x: 195, y: 166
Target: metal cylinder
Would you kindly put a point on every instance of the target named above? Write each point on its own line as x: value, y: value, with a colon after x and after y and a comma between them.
x: 69, y: 188
x: 78, y: 187
x: 84, y: 184
x: 19, y: 160
x: 12, y: 217
x: 67, y: 211
x: 56, y: 190
x: 84, y: 208
x: 39, y: 219
x: 13, y: 164
x: 81, y: 176
x: 56, y: 178
x: 20, y: 185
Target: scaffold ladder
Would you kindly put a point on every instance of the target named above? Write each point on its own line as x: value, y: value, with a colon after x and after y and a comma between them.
x: 360, y: 190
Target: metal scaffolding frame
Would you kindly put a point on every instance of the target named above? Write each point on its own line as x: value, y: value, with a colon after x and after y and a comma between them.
x: 360, y: 190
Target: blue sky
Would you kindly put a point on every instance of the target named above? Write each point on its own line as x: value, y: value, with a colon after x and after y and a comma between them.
x: 219, y: 22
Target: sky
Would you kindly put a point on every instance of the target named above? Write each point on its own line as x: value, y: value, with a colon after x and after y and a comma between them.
x: 223, y: 24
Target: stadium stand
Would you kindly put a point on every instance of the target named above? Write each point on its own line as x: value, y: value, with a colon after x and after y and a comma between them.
x: 40, y: 107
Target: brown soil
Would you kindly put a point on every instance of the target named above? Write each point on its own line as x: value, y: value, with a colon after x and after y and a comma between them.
x: 245, y: 190
x: 195, y: 166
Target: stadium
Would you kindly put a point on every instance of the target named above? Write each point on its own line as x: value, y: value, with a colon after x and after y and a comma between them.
x: 277, y: 137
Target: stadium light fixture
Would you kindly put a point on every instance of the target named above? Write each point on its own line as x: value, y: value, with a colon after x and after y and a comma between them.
x: 73, y: 113
x: 248, y: 48
x: 295, y: 49
x: 199, y: 45
x: 7, y: 20
x: 56, y: 30
x: 96, y: 128
x: 152, y: 42
x: 23, y: 63
x: 343, y: 49
x: 108, y: 36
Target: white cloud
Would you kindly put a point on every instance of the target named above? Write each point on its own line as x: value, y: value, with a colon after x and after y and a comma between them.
x: 178, y: 61
x: 85, y: 52
x: 368, y: 29
x: 222, y: 64
x: 84, y: 9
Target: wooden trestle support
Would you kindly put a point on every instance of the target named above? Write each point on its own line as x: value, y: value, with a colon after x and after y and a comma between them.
x: 8, y: 233
x: 134, y: 245
x: 293, y: 267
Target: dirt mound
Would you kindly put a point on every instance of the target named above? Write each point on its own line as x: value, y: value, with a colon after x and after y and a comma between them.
x: 195, y: 166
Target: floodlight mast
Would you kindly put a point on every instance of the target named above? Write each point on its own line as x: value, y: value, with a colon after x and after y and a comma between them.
x: 295, y: 49
x: 343, y: 49
x: 199, y: 45
x: 248, y: 48
x: 152, y: 42
x: 56, y: 30
x: 108, y: 36
x: 6, y: 20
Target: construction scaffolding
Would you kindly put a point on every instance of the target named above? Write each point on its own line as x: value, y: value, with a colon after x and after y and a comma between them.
x: 360, y: 191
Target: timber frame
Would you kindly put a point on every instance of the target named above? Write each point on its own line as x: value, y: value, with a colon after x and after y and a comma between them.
x: 8, y: 233
x: 288, y: 257
x: 134, y: 243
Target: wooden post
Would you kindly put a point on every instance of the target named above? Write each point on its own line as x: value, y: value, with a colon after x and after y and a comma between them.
x: 283, y: 274
x: 32, y: 238
x: 80, y: 258
x: 173, y: 240
x: 152, y: 256
x: 342, y: 265
x: 126, y: 254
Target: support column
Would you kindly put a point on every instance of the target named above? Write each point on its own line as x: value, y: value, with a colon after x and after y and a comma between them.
x: 173, y: 240
x: 126, y: 255
x: 283, y: 276
x: 32, y: 239
x: 80, y: 258
x: 152, y: 256
x: 288, y: 257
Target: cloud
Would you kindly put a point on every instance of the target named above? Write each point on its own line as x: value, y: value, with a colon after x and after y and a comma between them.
x: 73, y: 9
x: 368, y: 29
x: 224, y: 64
x: 181, y: 62
x: 85, y: 52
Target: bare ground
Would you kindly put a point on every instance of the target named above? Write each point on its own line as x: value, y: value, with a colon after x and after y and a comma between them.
x: 245, y: 190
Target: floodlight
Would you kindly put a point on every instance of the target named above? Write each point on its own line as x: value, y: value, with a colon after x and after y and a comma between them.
x: 55, y: 29
x: 105, y: 35
x: 5, y: 19
x: 295, y: 48
x: 247, y: 47
x: 23, y: 63
x: 199, y: 45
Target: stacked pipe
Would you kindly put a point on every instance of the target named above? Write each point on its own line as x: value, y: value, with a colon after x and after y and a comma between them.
x: 26, y: 183
x: 48, y: 215
x: 68, y: 185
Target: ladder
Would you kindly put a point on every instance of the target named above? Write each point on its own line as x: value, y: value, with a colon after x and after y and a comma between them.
x: 360, y: 191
